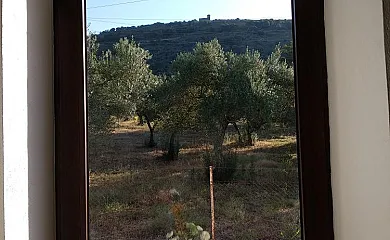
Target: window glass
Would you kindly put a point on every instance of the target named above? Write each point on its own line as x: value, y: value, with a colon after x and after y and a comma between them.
x: 191, y: 120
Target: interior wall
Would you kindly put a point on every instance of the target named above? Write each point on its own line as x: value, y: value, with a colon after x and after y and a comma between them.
x: 40, y: 119
x: 27, y: 97
x: 359, y: 119
x: 14, y: 54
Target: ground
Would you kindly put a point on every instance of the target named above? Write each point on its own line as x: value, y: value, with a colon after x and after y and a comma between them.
x: 131, y: 186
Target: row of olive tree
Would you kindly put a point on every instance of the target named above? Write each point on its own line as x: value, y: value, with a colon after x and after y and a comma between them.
x: 207, y: 90
x: 210, y: 88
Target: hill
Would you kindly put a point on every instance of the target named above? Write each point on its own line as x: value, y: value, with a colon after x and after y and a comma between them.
x: 165, y: 41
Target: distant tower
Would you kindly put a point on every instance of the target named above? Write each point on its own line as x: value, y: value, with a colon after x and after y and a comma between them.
x: 205, y: 19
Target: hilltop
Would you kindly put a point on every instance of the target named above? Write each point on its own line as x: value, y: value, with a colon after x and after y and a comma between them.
x: 165, y: 40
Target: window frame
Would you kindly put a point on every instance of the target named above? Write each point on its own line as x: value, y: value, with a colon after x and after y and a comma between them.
x: 71, y: 172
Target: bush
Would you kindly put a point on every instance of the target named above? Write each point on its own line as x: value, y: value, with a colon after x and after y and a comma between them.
x: 225, y: 167
x: 191, y: 231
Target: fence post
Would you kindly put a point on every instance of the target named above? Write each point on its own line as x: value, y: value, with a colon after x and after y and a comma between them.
x: 212, y: 204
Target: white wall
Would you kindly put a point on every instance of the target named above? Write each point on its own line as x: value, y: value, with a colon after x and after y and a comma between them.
x: 27, y: 42
x: 1, y: 136
x: 14, y: 52
x: 360, y: 142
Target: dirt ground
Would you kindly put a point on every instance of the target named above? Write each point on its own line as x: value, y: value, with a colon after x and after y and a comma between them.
x: 130, y: 184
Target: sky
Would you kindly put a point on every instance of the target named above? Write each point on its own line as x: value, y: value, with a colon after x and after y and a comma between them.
x: 106, y: 14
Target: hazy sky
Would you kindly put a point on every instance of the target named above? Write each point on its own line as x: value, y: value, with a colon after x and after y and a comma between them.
x: 101, y: 17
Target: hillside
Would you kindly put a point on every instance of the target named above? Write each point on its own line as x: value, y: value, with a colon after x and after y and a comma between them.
x: 165, y: 41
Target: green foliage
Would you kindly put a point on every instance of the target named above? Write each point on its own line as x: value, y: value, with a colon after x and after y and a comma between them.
x: 287, y: 53
x: 216, y: 88
x: 208, y: 89
x: 128, y: 74
x: 191, y: 232
x: 201, y: 74
x: 118, y: 83
x: 100, y: 106
x: 177, y: 108
x: 281, y: 88
x: 250, y: 96
x: 182, y: 229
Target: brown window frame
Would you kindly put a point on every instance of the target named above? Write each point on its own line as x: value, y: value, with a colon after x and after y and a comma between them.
x: 311, y: 107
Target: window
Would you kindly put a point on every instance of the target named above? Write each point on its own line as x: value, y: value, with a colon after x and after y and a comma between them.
x: 312, y: 115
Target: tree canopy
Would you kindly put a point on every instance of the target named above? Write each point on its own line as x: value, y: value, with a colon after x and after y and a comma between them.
x: 207, y: 89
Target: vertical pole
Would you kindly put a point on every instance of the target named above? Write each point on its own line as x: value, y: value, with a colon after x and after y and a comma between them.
x: 212, y: 204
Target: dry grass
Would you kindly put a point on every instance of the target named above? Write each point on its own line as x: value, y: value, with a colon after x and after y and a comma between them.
x: 129, y: 185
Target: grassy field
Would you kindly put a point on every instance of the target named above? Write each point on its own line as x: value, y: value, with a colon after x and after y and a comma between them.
x: 130, y: 188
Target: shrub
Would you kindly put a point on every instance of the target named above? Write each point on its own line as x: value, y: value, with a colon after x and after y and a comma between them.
x: 183, y: 230
x: 191, y: 231
x: 225, y: 167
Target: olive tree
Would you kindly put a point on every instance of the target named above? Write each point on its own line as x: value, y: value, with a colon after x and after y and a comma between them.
x: 280, y: 85
x: 119, y: 82
x: 98, y: 92
x: 217, y: 88
x: 199, y: 77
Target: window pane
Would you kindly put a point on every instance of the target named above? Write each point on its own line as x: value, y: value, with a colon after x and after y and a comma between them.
x: 191, y: 118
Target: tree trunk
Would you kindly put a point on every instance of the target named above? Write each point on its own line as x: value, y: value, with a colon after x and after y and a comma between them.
x: 218, y: 141
x: 249, y: 141
x: 172, y: 152
x: 140, y: 120
x: 238, y: 132
x: 152, y: 143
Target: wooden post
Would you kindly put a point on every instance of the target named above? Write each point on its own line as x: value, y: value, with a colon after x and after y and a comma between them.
x: 212, y: 204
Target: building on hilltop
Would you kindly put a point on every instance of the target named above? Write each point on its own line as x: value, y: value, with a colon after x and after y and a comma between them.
x: 205, y: 19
